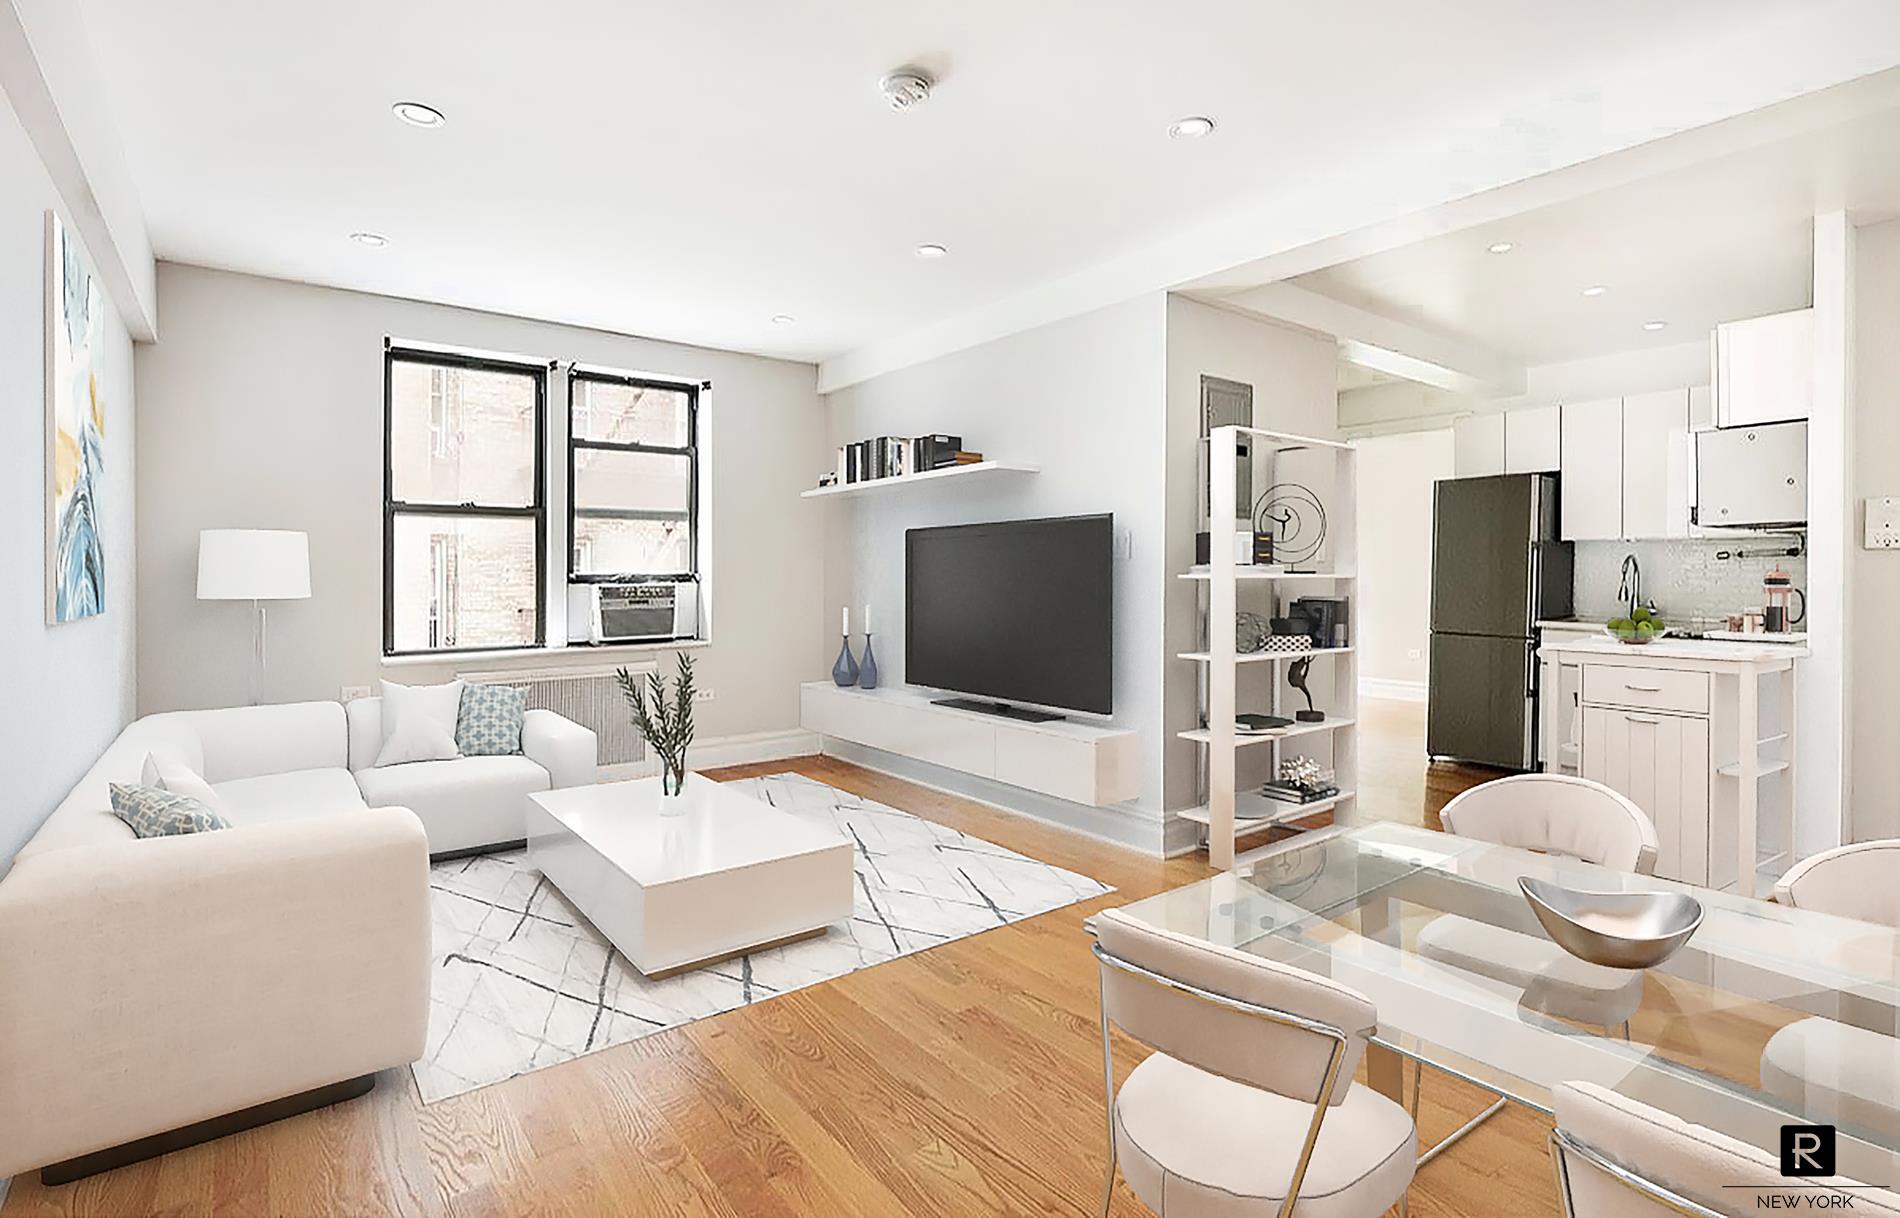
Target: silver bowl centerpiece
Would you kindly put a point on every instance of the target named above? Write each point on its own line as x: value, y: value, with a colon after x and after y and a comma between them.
x: 1615, y: 929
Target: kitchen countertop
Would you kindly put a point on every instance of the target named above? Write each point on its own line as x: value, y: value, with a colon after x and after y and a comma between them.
x: 1568, y: 623
x: 1706, y: 650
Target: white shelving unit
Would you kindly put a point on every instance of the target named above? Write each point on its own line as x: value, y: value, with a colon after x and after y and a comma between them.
x: 976, y: 469
x: 1229, y: 813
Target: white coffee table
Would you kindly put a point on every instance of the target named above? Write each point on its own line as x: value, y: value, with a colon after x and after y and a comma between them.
x: 729, y: 876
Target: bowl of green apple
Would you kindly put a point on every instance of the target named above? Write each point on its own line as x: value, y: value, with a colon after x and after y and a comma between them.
x: 1643, y: 625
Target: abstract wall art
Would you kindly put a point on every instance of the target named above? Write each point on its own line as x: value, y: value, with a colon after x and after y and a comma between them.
x: 76, y: 402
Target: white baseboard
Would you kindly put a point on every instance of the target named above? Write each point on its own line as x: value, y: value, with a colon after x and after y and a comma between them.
x: 1119, y: 825
x: 1397, y: 691
x: 723, y: 751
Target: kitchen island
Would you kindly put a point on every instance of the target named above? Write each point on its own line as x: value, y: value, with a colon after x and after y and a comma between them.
x: 1691, y: 730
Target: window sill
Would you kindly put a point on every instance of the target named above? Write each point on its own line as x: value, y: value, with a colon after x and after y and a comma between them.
x: 529, y: 656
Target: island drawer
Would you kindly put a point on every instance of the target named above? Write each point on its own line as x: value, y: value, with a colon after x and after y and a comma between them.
x: 1662, y: 689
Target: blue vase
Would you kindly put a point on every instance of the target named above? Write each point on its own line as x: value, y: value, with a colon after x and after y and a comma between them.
x: 845, y: 671
x: 867, y: 672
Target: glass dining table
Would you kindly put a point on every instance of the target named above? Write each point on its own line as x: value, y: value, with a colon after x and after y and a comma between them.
x: 1434, y: 929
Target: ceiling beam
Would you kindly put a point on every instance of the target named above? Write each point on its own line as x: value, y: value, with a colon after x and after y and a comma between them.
x: 1372, y: 340
x: 50, y: 80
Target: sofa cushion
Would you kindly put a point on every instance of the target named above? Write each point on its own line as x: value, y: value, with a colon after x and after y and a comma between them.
x: 156, y: 812
x: 465, y: 803
x: 169, y: 772
x: 490, y: 722
x: 269, y: 798
x: 419, y: 722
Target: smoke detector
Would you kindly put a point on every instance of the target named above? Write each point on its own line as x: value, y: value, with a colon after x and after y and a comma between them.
x: 904, y: 88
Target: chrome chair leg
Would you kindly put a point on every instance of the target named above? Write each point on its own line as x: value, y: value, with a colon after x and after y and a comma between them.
x: 1108, y: 1082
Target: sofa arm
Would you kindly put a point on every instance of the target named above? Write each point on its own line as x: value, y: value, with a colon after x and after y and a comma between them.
x: 566, y: 750
x: 151, y: 984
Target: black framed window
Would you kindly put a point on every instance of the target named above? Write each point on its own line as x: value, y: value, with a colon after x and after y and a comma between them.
x: 632, y: 478
x: 464, y: 502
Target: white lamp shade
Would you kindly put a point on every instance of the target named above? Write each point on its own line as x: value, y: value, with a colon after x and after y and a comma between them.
x: 253, y: 564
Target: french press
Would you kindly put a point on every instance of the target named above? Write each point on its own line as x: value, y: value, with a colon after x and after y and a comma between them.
x: 1778, y: 614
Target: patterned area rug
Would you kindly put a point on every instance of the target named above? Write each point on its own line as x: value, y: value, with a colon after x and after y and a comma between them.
x: 522, y: 981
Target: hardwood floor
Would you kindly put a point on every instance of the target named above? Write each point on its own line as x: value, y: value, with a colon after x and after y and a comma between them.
x: 964, y: 1080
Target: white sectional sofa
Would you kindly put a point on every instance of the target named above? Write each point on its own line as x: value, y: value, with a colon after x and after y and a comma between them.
x: 472, y: 803
x: 148, y: 986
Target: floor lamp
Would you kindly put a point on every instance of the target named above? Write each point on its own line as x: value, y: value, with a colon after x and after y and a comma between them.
x: 254, y: 565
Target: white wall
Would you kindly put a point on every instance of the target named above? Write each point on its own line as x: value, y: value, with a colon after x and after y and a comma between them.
x: 1393, y: 635
x: 264, y: 408
x: 1872, y: 653
x: 1294, y: 374
x: 70, y: 687
x: 1084, y: 399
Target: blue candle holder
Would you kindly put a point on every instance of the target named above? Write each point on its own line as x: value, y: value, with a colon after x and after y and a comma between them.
x: 845, y: 671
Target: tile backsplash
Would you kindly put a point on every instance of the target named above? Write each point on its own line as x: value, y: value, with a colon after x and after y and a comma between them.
x: 1688, y: 579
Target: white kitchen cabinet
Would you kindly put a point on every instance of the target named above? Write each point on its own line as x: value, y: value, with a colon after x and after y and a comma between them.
x: 1700, y: 736
x: 1656, y: 465
x: 1477, y: 445
x: 1533, y: 440
x: 1660, y: 762
x: 1764, y: 369
x: 1592, y: 439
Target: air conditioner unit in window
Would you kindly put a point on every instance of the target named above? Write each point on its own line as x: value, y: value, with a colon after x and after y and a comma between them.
x: 646, y: 612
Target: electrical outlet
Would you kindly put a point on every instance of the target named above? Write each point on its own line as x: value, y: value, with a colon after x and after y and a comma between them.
x: 1882, y: 525
x: 352, y: 692
x: 1413, y: 654
x: 1124, y: 543
x: 702, y: 694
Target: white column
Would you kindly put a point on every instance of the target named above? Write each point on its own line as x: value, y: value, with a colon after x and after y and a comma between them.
x: 1823, y: 758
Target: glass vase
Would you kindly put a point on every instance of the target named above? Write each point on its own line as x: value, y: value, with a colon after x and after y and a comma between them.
x: 867, y: 671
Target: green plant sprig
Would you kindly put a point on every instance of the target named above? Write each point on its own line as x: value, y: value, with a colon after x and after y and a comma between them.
x: 666, y: 724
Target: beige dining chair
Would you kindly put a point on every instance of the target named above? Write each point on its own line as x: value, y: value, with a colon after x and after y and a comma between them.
x: 1617, y: 1158
x: 1549, y: 814
x: 1828, y: 1068
x: 1248, y: 1104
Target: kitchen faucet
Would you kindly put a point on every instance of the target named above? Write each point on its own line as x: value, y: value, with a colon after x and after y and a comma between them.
x: 1630, y: 589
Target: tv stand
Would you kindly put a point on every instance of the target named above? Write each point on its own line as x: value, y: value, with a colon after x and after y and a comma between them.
x: 1081, y: 762
x: 1000, y: 709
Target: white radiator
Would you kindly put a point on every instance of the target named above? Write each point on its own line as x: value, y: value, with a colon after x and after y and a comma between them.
x: 589, y: 696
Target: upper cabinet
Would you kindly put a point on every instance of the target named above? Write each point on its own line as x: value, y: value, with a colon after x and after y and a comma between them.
x: 1533, y: 440
x: 1764, y: 369
x: 1592, y: 489
x: 1507, y: 442
x: 1656, y: 465
x: 1477, y: 445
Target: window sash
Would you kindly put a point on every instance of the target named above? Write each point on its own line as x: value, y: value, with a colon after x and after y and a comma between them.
x: 578, y: 378
x: 393, y: 507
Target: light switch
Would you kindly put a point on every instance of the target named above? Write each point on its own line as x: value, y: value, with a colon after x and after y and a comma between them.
x: 1881, y: 523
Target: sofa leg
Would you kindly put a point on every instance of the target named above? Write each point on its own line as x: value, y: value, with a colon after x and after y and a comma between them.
x: 204, y: 1131
x: 470, y: 851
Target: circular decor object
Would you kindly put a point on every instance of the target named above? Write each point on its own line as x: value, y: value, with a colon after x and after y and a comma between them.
x: 1294, y: 517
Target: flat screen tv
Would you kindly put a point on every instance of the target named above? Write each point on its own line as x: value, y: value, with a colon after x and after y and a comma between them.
x: 1019, y: 610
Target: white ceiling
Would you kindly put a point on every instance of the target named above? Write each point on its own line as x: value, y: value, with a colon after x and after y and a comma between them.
x: 1724, y: 240
x: 689, y: 170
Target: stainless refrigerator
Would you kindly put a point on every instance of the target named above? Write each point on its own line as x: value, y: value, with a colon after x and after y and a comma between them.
x: 1497, y: 568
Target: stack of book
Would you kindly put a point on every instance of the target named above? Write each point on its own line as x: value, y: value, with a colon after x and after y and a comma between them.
x: 895, y: 456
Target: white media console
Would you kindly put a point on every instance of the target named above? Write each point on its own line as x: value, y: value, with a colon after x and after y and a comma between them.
x: 1071, y: 760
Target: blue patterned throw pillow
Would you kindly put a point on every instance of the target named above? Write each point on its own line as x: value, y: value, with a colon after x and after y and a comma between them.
x: 490, y: 722
x: 156, y: 812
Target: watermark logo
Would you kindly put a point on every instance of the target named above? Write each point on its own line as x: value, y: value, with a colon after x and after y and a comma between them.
x: 1807, y: 1150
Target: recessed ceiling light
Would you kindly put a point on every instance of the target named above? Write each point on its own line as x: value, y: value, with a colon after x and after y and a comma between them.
x: 931, y: 250
x: 1192, y: 127
x: 418, y: 115
x: 783, y: 319
x: 1501, y: 247
x: 1595, y: 289
x: 375, y: 241
x: 1655, y: 325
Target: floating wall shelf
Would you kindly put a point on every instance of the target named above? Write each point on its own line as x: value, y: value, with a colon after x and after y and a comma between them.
x: 978, y: 469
